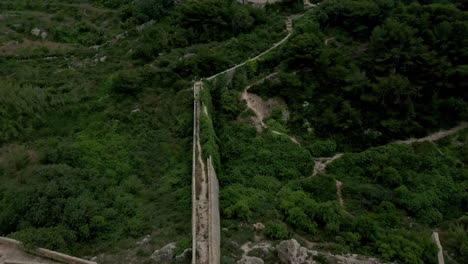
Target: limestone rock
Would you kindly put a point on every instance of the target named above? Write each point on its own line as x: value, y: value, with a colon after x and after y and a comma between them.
x: 166, y: 253
x: 184, y: 255
x: 259, y: 227
x: 142, y: 26
x: 144, y: 241
x: 291, y: 252
x: 44, y: 35
x: 120, y: 36
x: 36, y: 32
x: 250, y: 260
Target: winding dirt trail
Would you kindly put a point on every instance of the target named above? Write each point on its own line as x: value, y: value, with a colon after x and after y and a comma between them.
x: 434, y: 137
x: 289, y: 29
x: 440, y: 253
x: 263, y: 108
x: 321, y: 163
x: 253, y: 103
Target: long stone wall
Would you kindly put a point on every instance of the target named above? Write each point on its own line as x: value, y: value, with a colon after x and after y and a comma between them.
x: 45, y: 253
x: 215, y: 225
x: 205, y: 188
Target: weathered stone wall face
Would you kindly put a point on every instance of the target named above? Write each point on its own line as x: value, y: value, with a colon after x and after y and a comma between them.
x: 215, y: 239
x: 45, y: 253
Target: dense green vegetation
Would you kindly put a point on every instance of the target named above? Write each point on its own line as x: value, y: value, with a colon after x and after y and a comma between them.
x: 95, y: 139
x: 389, y: 70
x: 355, y: 74
x: 96, y: 124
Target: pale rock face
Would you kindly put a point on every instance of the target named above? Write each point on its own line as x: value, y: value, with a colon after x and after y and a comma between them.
x: 36, y: 32
x: 250, y: 260
x: 291, y: 252
x: 166, y: 253
x: 142, y: 26
x: 44, y: 35
x: 259, y: 227
x: 184, y: 255
x: 120, y: 36
x: 145, y: 240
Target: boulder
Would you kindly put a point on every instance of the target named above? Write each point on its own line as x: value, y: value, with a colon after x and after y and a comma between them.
x: 250, y: 260
x: 144, y: 241
x: 166, y: 253
x: 120, y: 36
x: 291, y: 252
x: 36, y: 32
x: 142, y: 26
x: 44, y: 35
x: 184, y: 256
x: 259, y: 227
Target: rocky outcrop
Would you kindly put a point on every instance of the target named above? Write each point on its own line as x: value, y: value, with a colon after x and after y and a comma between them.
x: 166, y: 253
x: 36, y: 32
x: 184, y: 256
x: 259, y: 227
x: 250, y: 260
x: 39, y: 33
x: 291, y: 252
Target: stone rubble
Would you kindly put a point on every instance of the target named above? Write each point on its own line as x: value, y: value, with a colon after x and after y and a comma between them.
x: 166, y: 253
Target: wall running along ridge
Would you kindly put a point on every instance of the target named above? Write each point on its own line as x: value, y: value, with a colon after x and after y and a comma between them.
x: 205, y: 187
x: 206, y: 226
x: 45, y: 253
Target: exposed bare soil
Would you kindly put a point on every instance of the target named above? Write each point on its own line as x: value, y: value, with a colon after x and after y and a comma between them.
x: 321, y: 163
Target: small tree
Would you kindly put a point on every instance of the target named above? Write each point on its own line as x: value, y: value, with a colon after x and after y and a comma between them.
x: 276, y: 231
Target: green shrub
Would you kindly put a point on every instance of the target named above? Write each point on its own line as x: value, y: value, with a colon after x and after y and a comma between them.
x: 54, y: 238
x: 135, y: 227
x: 276, y: 126
x: 127, y: 82
x: 276, y: 231
x: 322, y: 148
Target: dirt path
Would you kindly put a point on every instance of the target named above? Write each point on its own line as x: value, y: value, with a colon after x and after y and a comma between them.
x: 289, y: 29
x: 435, y: 136
x: 200, y: 200
x: 249, y: 246
x: 263, y: 108
x: 440, y: 254
x: 253, y: 103
x: 338, y: 192
x: 321, y: 163
x: 328, y: 40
